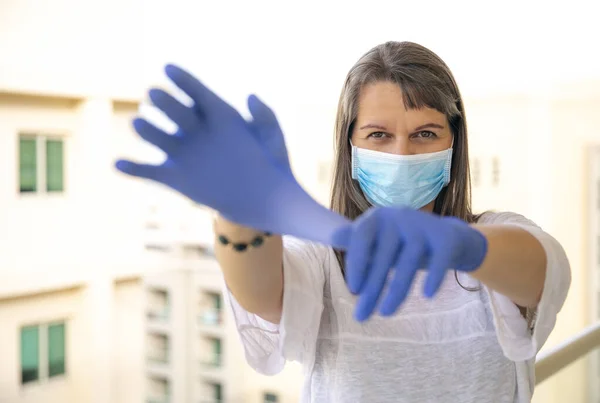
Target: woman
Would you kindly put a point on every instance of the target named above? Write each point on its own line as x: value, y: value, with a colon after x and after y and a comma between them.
x: 402, y: 178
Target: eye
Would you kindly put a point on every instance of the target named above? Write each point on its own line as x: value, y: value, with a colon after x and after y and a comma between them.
x: 377, y: 135
x: 426, y: 135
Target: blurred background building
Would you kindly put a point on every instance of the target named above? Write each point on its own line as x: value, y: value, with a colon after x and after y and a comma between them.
x: 109, y: 291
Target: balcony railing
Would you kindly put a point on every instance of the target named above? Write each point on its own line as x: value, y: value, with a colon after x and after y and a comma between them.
x: 214, y: 361
x: 567, y: 352
x: 210, y: 317
x: 158, y: 355
x: 161, y: 315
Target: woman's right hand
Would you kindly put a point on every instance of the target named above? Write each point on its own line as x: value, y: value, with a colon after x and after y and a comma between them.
x: 238, y: 168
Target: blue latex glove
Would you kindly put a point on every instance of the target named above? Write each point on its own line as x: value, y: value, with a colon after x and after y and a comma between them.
x: 265, y: 128
x: 239, y: 168
x: 404, y: 240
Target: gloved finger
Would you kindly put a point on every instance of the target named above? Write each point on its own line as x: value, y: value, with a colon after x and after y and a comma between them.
x: 261, y: 113
x: 385, y: 253
x: 183, y: 116
x: 155, y: 136
x: 412, y: 258
x: 360, y: 248
x: 439, y: 263
x: 146, y: 171
x: 265, y: 128
x: 341, y: 237
x: 206, y: 102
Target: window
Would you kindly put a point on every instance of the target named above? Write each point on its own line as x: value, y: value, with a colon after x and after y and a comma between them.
x: 211, y: 308
x: 41, y: 164
x: 212, y: 353
x: 42, y: 343
x: 217, y: 301
x: 56, y: 350
x: 158, y: 348
x: 270, y: 398
x: 27, y: 164
x: 54, y: 165
x: 216, y: 344
x: 158, y: 390
x: 217, y: 392
x: 158, y: 304
x: 30, y: 354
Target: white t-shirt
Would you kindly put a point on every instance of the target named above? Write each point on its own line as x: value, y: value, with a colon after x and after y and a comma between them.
x: 462, y: 346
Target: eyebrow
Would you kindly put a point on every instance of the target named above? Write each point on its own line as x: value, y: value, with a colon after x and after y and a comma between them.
x: 429, y: 126
x: 373, y: 126
x: 425, y: 126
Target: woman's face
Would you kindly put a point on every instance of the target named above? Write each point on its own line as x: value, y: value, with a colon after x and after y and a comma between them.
x: 384, y: 124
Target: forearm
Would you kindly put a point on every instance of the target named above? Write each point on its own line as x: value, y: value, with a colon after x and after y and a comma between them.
x: 515, y: 264
x: 254, y: 276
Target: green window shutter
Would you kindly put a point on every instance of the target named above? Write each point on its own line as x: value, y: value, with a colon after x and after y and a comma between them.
x: 218, y: 302
x: 270, y: 398
x: 218, y: 390
x: 30, y: 364
x: 27, y: 164
x: 56, y: 349
x: 218, y: 359
x: 54, y: 166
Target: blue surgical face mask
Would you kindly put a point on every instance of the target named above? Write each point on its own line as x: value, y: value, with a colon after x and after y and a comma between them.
x: 391, y: 180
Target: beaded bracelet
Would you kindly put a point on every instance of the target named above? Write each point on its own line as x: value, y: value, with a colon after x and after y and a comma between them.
x: 242, y: 246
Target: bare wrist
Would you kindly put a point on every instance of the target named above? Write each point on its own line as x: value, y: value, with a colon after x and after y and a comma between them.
x: 237, y: 237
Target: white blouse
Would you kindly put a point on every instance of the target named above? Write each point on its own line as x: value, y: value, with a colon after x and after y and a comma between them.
x: 461, y: 346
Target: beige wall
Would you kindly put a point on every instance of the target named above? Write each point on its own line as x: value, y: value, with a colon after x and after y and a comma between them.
x: 128, y: 337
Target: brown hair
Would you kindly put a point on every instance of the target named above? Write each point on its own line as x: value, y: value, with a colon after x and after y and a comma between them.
x: 425, y: 81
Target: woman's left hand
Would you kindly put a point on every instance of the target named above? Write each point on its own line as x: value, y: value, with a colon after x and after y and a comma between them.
x: 404, y: 240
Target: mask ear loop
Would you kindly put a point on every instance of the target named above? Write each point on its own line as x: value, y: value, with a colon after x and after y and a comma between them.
x: 448, y: 166
x: 353, y: 164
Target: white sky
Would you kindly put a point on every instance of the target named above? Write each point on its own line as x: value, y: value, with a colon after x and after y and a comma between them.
x: 294, y: 55
x: 487, y: 45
